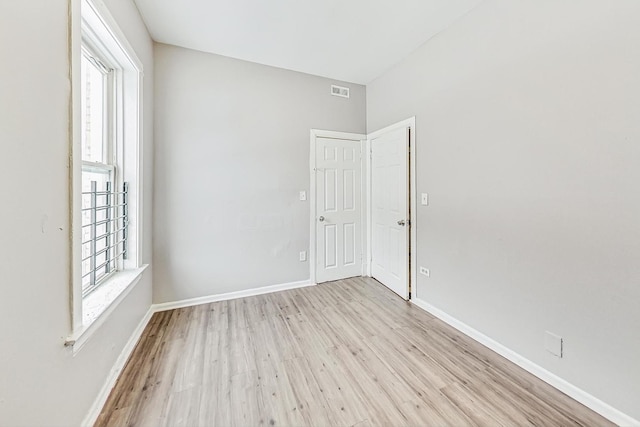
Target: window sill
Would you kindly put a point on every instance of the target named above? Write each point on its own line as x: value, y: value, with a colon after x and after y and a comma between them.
x: 97, y: 306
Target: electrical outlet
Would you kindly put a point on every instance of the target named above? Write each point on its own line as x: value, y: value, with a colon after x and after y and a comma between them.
x: 424, y: 200
x: 553, y: 343
x: 303, y: 195
x: 425, y: 271
x: 303, y: 255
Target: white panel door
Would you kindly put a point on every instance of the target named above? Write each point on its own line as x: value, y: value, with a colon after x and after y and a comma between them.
x: 390, y: 210
x: 338, y: 209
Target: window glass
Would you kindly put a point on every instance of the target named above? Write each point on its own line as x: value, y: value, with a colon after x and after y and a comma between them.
x: 100, y: 210
x: 93, y: 110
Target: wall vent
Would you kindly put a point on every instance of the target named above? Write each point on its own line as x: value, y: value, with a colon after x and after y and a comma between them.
x: 340, y: 91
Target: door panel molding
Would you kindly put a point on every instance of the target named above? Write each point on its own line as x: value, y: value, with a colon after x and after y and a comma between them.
x: 359, y: 142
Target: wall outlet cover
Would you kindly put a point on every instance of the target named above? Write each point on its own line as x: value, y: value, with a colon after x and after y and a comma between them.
x: 553, y: 343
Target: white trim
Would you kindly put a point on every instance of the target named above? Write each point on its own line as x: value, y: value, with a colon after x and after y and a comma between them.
x: 410, y: 122
x: 349, y: 136
x: 314, y: 134
x: 591, y: 402
x: 364, y: 239
x: 312, y: 206
x: 82, y: 334
x: 230, y: 295
x: 101, y: 17
x: 75, y: 172
x: 413, y: 195
x: 117, y: 368
x: 367, y: 208
x: 92, y: 22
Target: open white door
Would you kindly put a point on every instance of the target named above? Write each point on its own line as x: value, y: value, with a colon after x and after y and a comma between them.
x: 338, y: 222
x: 390, y: 210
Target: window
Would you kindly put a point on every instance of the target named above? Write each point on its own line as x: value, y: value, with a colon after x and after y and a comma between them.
x: 106, y: 170
x: 104, y: 195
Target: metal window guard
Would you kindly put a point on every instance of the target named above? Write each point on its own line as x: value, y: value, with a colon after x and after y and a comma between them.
x: 115, y: 210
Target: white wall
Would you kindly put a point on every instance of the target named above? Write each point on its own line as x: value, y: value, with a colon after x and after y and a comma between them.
x: 232, y: 154
x: 528, y: 142
x: 41, y: 382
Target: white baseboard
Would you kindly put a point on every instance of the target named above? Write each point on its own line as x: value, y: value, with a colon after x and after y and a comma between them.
x: 564, y: 386
x: 230, y: 295
x: 117, y: 368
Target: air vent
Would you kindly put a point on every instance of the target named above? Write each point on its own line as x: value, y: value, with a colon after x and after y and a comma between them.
x: 340, y: 91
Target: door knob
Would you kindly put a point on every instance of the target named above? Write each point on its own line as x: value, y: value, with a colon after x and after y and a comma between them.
x: 321, y: 218
x: 401, y: 222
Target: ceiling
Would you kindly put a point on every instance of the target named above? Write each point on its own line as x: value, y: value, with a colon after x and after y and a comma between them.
x: 351, y: 40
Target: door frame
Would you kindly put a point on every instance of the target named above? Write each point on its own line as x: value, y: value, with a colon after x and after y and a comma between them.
x: 413, y: 204
x: 356, y: 138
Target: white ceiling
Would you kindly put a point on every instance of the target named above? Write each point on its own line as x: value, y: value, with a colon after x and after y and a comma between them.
x: 350, y: 40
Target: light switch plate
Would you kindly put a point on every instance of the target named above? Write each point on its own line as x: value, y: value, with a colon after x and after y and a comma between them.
x: 424, y: 200
x: 303, y: 256
x: 303, y: 195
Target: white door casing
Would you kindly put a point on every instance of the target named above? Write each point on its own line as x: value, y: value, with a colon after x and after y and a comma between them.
x: 390, y: 221
x: 337, y: 211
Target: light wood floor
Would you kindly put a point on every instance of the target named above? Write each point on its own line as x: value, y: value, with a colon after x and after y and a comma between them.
x: 347, y: 353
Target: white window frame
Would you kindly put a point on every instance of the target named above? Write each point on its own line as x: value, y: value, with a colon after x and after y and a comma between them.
x: 111, y: 146
x: 92, y: 25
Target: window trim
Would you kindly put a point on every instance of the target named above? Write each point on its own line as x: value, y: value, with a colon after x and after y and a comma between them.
x: 92, y: 25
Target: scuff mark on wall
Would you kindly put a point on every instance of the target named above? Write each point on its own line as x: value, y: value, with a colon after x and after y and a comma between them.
x: 43, y: 223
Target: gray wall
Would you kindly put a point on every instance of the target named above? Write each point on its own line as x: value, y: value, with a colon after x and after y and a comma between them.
x: 528, y: 142
x: 41, y: 382
x: 232, y: 154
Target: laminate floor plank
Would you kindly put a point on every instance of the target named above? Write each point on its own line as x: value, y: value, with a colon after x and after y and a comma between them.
x: 345, y: 353
x: 183, y: 407
x: 515, y: 405
x: 401, y: 358
x: 309, y: 397
x: 417, y: 414
x: 484, y: 414
x: 335, y: 387
x: 247, y: 406
x: 276, y: 394
x: 376, y: 391
x: 218, y: 316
